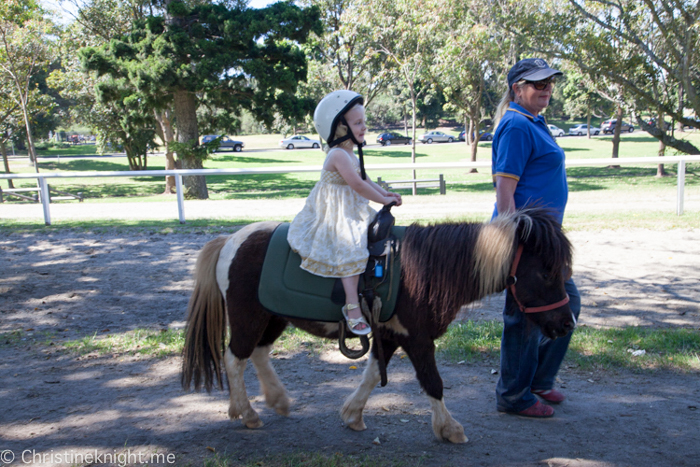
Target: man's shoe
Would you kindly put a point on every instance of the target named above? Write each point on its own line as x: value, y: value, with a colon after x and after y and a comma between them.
x: 539, y: 410
x: 550, y: 395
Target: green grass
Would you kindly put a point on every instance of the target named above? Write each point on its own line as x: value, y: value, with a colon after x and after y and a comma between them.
x: 602, y: 349
x: 152, y: 343
x: 281, y: 186
x: 591, y: 349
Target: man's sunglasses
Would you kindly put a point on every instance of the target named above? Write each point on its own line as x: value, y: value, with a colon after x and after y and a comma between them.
x: 542, y: 85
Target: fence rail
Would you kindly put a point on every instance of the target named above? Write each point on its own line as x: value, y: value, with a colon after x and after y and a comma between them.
x: 178, y: 174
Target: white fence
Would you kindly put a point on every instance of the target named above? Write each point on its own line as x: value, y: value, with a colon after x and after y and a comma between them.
x: 45, y: 200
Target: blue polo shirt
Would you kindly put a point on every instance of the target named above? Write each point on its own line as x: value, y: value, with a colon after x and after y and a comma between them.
x: 524, y: 149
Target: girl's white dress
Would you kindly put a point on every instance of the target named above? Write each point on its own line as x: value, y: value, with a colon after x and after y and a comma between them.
x: 330, y: 232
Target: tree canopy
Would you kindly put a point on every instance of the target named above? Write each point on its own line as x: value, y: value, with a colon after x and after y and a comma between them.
x: 230, y: 57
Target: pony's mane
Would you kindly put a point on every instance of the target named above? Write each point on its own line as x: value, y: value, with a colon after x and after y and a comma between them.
x: 453, y: 264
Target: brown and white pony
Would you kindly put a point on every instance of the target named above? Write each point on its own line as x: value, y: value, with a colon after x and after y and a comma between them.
x: 444, y: 266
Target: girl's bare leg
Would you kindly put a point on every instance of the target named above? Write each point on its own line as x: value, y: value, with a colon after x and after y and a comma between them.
x: 350, y: 287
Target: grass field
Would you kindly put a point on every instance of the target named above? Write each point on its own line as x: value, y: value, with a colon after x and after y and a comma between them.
x: 262, y: 151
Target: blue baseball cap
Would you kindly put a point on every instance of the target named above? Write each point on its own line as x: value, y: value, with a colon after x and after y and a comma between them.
x: 530, y: 69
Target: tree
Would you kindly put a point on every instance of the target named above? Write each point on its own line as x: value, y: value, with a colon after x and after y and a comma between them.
x: 24, y: 51
x: 581, y: 98
x: 640, y: 46
x: 230, y: 57
x: 407, y: 36
x: 465, y: 61
x: 343, y: 56
x: 10, y: 122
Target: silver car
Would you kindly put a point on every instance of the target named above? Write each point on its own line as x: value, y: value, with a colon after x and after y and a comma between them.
x: 582, y: 129
x: 437, y: 136
x: 555, y: 131
x: 299, y: 141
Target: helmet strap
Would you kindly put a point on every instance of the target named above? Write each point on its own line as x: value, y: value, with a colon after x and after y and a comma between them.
x: 351, y: 136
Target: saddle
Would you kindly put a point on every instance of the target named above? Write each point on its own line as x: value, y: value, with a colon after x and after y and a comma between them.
x: 287, y: 290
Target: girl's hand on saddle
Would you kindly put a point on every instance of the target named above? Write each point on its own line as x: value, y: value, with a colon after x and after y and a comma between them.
x: 395, y: 197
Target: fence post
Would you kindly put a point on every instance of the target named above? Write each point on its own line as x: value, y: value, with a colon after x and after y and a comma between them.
x: 45, y: 200
x: 443, y: 190
x: 180, y: 198
x: 681, y: 187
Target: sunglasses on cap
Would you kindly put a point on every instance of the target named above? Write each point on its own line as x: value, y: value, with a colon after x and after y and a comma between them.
x: 542, y: 85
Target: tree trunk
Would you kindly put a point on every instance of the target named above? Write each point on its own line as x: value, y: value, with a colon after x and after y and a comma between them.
x: 414, y: 104
x: 3, y: 150
x: 185, y: 106
x: 661, y: 125
x: 166, y: 134
x: 588, y: 117
x: 616, y: 136
x: 473, y: 137
x: 680, y: 105
x: 405, y: 121
x: 30, y: 139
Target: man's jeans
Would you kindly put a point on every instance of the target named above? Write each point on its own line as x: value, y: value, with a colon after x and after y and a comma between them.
x: 529, y: 360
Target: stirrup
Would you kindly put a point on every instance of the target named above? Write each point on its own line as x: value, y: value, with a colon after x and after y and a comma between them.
x: 353, y: 322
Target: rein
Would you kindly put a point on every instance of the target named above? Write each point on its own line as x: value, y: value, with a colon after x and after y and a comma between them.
x: 513, y: 279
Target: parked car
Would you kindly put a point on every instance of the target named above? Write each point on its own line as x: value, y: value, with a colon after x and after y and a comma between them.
x: 652, y: 122
x: 437, y: 136
x: 299, y: 141
x: 582, y: 129
x: 608, y: 126
x: 392, y: 137
x: 555, y: 130
x: 485, y: 135
x: 688, y: 127
x: 225, y: 142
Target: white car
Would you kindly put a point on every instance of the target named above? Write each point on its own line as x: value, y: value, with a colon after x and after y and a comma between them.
x: 437, y: 136
x: 582, y: 129
x: 555, y: 130
x: 299, y: 141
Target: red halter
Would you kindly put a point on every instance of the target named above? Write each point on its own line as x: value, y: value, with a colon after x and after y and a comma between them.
x: 512, y: 280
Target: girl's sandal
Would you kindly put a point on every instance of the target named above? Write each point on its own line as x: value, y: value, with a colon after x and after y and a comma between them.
x: 353, y: 323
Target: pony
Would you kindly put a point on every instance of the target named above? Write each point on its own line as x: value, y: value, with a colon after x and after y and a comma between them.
x: 443, y: 267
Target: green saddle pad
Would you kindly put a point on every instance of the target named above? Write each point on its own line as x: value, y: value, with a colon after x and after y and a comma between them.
x: 286, y: 289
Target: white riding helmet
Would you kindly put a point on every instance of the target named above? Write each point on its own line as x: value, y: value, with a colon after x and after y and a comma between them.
x: 330, y: 111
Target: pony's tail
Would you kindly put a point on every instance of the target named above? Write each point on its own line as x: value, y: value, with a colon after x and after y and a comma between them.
x: 205, y: 334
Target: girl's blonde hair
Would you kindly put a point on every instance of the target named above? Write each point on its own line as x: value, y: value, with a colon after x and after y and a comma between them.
x: 508, y: 97
x: 340, y: 131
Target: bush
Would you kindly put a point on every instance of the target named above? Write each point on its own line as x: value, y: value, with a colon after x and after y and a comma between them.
x: 44, y: 145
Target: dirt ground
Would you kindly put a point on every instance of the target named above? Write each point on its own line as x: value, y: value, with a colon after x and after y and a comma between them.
x: 56, y: 406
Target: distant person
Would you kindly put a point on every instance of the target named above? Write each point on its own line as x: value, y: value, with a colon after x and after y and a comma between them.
x: 529, y: 167
x: 330, y: 232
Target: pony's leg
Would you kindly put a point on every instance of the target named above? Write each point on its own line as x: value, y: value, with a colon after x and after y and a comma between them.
x: 239, y: 406
x: 351, y: 413
x: 422, y: 355
x: 275, y: 394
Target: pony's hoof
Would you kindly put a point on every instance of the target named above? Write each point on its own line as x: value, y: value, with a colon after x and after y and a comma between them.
x: 282, y: 407
x: 358, y: 425
x: 252, y: 424
x: 250, y: 418
x: 454, y: 434
x: 354, y: 422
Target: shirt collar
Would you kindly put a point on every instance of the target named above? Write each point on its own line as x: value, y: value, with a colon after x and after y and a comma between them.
x: 521, y: 110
